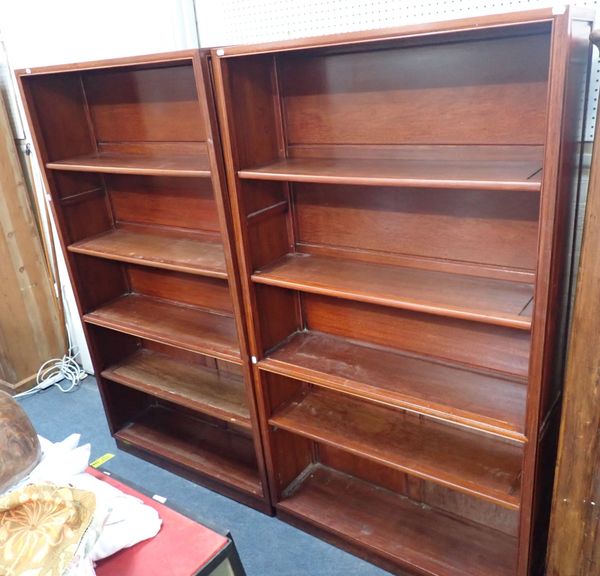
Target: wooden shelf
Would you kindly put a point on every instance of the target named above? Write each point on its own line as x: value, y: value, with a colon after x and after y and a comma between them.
x: 469, y: 398
x: 490, y: 174
x: 499, y: 302
x: 163, y: 321
x: 116, y: 163
x: 168, y: 252
x: 414, y: 536
x: 484, y: 467
x: 217, y: 394
x: 193, y: 444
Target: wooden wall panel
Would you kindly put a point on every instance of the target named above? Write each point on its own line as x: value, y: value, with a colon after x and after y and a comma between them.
x: 480, y: 92
x: 30, y: 321
x: 474, y: 344
x: 178, y: 202
x: 574, y: 540
x: 147, y: 104
x: 459, y: 225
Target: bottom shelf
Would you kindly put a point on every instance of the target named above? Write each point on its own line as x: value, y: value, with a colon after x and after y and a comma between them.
x: 212, y: 451
x: 401, y: 531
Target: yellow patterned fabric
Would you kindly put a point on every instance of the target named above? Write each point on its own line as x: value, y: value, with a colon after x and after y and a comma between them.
x: 41, y: 528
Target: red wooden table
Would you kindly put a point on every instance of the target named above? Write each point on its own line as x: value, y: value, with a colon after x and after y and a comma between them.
x: 183, y: 547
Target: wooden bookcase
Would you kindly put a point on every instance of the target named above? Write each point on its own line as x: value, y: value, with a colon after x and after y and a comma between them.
x: 134, y: 168
x: 402, y: 201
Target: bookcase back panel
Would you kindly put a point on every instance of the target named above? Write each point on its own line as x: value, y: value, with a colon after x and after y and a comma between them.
x: 113, y: 347
x: 148, y: 104
x: 490, y: 91
x: 284, y: 317
x: 71, y: 186
x: 204, y: 292
x: 155, y: 420
x: 57, y: 101
x: 193, y: 358
x: 110, y: 346
x: 106, y: 280
x: 126, y: 404
x: 256, y: 197
x: 307, y: 453
x: 186, y: 203
x: 270, y: 238
x: 256, y: 123
x: 422, y: 491
x: 471, y: 343
x: 86, y: 215
x: 480, y: 227
x: 102, y: 280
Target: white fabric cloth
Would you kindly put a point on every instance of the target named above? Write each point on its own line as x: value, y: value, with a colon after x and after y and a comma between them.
x: 120, y: 520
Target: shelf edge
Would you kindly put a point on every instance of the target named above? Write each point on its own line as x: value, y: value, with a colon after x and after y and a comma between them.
x: 337, y: 384
x: 494, y: 498
x: 155, y: 337
x: 508, y: 321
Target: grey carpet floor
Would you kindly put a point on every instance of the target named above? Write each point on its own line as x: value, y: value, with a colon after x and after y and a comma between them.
x: 267, y: 546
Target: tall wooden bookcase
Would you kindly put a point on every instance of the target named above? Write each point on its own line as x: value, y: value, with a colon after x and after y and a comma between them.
x: 134, y: 169
x: 402, y: 208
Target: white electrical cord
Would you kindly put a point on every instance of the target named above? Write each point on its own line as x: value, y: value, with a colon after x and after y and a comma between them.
x: 55, y: 370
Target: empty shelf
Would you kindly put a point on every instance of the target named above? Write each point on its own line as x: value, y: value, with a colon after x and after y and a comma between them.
x: 402, y: 531
x: 489, y: 174
x: 488, y: 468
x: 217, y: 394
x: 115, y: 163
x: 470, y: 398
x: 195, y: 445
x: 169, y: 323
x: 183, y: 254
x: 499, y: 302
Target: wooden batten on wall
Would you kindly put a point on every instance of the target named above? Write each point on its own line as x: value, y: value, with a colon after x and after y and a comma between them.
x: 575, y: 526
x: 30, y: 322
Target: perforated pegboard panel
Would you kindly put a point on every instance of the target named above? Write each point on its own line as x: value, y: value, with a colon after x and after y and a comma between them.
x: 250, y: 21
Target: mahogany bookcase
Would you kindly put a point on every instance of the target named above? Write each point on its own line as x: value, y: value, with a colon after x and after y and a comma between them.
x: 132, y: 163
x: 402, y: 205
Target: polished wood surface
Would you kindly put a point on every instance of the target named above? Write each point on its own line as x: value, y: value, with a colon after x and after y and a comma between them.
x: 486, y: 468
x: 110, y: 163
x: 463, y: 231
x: 168, y: 252
x: 465, y: 174
x: 133, y: 164
x: 571, y: 52
x: 479, y: 299
x: 201, y: 447
x: 473, y: 399
x: 383, y: 97
x: 169, y: 323
x: 573, y: 546
x: 31, y: 320
x: 401, y: 205
x: 471, y: 344
x: 129, y: 104
x: 217, y: 394
x: 416, y: 538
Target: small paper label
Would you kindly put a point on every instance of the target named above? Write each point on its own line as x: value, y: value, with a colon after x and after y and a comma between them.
x: 160, y: 499
x: 99, y: 461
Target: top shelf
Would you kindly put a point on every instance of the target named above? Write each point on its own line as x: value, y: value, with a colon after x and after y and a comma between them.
x: 116, y: 163
x: 433, y: 172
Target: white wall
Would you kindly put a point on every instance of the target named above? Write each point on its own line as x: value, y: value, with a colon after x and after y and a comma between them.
x: 249, y: 21
x: 45, y: 32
